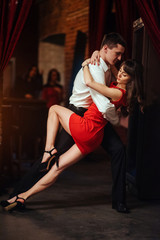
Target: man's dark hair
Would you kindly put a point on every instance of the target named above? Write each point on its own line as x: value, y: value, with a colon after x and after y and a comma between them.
x: 112, y: 39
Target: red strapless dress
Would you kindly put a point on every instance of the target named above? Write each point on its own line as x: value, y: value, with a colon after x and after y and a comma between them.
x: 88, y: 131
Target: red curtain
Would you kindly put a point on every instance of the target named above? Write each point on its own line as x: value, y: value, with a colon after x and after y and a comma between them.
x: 150, y: 14
x: 98, y: 13
x: 125, y: 15
x: 13, y: 14
x: 102, y: 19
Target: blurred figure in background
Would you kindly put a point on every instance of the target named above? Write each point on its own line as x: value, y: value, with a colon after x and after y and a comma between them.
x: 29, y: 87
x: 52, y: 92
x: 31, y: 84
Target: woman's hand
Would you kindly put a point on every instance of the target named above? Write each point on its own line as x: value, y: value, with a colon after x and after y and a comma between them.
x: 95, y: 58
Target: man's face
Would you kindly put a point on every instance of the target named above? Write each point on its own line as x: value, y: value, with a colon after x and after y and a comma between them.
x: 114, y: 54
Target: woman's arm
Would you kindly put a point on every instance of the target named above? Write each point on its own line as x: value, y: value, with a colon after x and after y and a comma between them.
x: 112, y: 93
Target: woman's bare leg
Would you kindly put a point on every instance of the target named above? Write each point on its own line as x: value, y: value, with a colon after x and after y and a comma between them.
x: 70, y: 157
x: 56, y: 114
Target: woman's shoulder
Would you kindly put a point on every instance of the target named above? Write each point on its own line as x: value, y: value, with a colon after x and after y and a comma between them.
x: 55, y: 86
x: 46, y: 85
x: 113, y: 84
x: 58, y: 85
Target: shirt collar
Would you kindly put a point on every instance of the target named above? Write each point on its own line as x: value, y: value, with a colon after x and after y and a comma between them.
x: 104, y: 65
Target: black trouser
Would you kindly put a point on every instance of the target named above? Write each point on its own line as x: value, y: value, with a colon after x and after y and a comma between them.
x: 111, y: 143
x: 116, y: 149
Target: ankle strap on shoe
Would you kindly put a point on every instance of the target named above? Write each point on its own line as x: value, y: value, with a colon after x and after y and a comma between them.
x: 50, y: 151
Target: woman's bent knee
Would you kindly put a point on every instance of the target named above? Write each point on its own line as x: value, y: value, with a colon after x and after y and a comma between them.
x: 52, y: 108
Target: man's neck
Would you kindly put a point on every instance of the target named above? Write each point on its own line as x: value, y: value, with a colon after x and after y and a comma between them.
x: 102, y: 55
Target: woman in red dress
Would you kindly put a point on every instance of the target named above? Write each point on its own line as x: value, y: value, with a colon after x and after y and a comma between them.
x: 52, y: 92
x: 87, y: 131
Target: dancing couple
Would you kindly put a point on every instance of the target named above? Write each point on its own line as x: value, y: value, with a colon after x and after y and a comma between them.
x: 97, y: 104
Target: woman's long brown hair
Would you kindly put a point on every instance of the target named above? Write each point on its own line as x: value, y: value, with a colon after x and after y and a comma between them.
x: 134, y: 88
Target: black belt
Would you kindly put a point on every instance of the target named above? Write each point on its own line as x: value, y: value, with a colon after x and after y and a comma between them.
x: 79, y: 110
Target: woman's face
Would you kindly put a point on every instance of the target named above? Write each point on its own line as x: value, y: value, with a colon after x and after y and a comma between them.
x: 33, y: 72
x: 122, y: 76
x: 53, y: 78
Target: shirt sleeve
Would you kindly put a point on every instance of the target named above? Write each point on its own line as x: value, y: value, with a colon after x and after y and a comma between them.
x: 103, y: 103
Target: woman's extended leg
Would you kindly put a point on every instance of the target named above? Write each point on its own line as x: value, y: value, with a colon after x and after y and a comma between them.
x: 33, y: 175
x: 56, y: 114
x: 70, y: 157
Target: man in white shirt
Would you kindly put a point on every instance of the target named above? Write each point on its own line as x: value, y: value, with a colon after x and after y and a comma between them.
x: 83, y: 96
x: 112, y: 48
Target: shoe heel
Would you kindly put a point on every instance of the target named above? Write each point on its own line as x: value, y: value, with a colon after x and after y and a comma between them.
x: 46, y: 164
x: 49, y: 162
x: 10, y: 207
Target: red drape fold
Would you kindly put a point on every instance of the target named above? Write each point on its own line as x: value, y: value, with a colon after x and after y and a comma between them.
x: 13, y: 15
x: 125, y: 15
x: 97, y: 21
x: 150, y: 14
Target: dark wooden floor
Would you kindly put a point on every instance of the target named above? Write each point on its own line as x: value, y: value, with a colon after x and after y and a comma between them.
x: 78, y: 207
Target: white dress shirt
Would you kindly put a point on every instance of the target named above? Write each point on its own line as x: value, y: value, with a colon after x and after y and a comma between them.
x: 83, y: 96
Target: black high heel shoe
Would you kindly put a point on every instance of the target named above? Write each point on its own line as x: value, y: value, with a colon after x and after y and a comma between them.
x: 45, y: 166
x: 4, y: 203
x: 14, y: 205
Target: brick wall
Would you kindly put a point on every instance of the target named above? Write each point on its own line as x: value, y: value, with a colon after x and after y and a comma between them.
x: 64, y: 17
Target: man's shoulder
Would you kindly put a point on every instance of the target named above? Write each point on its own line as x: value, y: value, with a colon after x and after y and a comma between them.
x: 96, y: 70
x: 101, y: 67
x: 78, y: 81
x: 96, y: 67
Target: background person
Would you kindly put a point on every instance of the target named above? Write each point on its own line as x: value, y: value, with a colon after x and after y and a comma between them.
x: 31, y: 85
x: 52, y: 92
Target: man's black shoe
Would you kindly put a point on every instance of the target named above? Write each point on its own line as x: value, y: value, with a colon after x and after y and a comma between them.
x: 120, y: 207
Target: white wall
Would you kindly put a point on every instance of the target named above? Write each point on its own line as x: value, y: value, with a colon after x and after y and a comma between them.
x: 51, y: 56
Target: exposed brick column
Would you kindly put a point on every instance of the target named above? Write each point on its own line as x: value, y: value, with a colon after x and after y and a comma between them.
x: 65, y: 17
x: 77, y: 19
